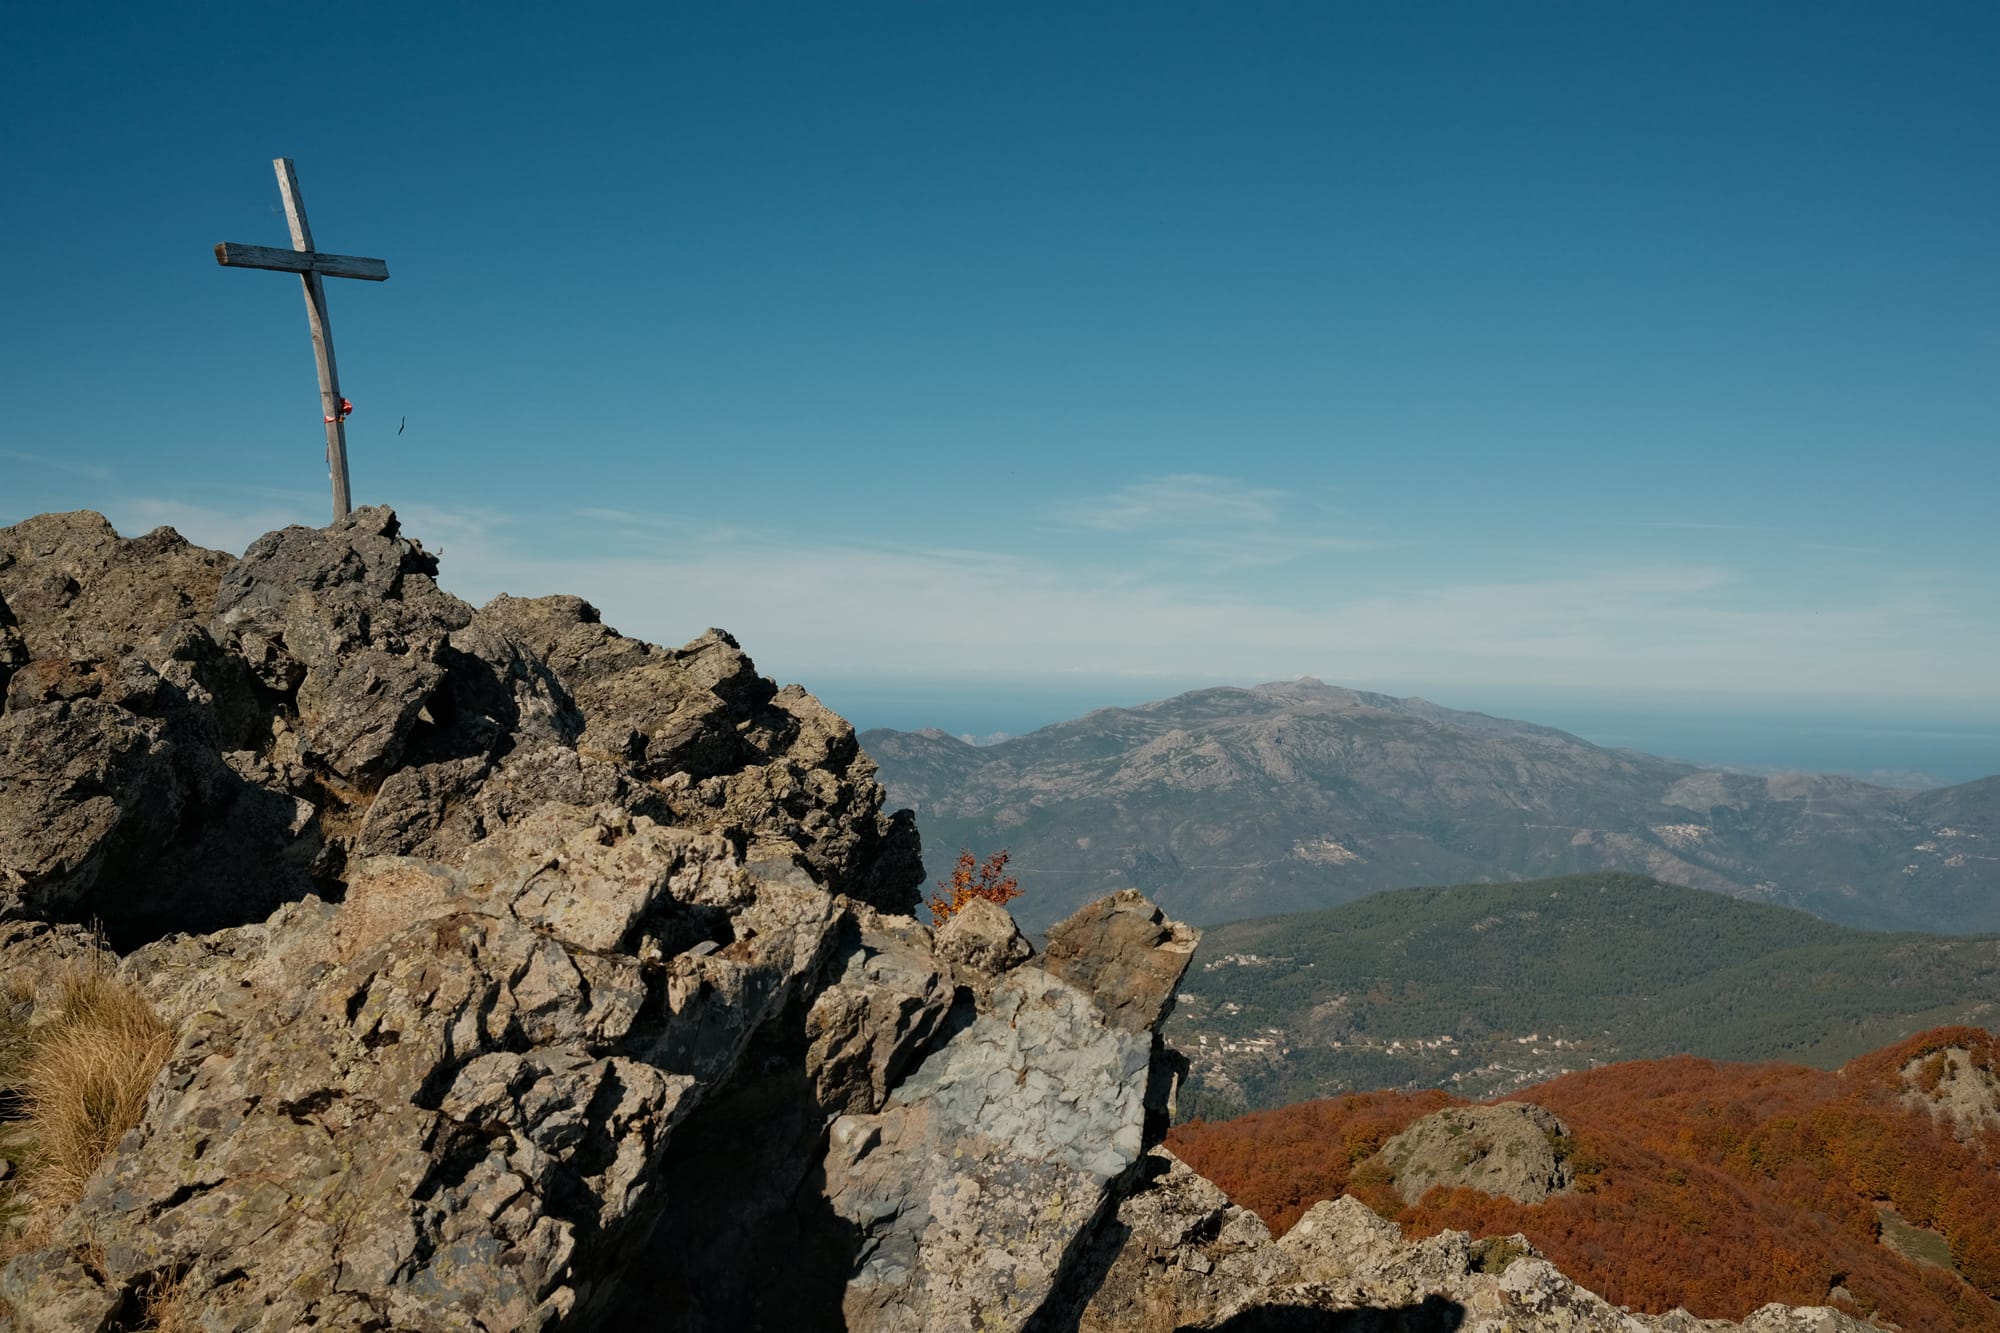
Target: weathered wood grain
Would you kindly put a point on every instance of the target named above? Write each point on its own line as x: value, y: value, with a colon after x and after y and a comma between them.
x: 231, y: 254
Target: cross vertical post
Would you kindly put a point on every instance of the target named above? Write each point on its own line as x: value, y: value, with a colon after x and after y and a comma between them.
x: 312, y: 266
x: 322, y: 336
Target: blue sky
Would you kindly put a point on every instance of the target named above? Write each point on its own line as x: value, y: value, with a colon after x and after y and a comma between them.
x: 1492, y: 352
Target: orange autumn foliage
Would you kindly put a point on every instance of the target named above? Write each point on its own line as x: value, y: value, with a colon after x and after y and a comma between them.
x: 1280, y: 1163
x: 970, y: 880
x: 1712, y: 1186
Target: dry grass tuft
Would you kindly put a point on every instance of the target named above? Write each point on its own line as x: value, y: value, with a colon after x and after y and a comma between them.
x: 165, y: 1306
x: 70, y: 1087
x: 85, y: 1078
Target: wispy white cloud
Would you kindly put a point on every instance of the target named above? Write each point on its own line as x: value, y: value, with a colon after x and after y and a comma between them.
x: 1180, y: 500
x: 826, y: 607
x: 848, y: 608
x: 626, y: 518
x: 1221, y: 522
x: 71, y: 466
x: 1693, y: 526
x: 1246, y: 550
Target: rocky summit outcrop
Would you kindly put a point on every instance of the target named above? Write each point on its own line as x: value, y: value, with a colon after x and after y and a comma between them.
x: 188, y: 741
x: 1177, y: 1256
x: 526, y: 976
x: 1513, y: 1150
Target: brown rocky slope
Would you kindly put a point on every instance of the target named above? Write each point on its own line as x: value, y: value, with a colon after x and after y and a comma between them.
x: 528, y: 976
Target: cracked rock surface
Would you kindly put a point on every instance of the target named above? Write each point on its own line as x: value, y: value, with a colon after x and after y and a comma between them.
x: 439, y: 1104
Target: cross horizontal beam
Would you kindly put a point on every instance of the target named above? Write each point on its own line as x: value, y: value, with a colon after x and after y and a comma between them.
x: 231, y: 255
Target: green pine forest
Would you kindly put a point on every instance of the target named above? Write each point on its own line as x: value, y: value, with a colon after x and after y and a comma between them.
x: 1528, y: 980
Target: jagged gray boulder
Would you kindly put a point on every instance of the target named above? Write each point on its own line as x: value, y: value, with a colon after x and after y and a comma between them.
x: 928, y: 1150
x: 886, y: 1000
x: 1177, y: 1254
x: 969, y: 1188
x: 1349, y: 1257
x: 347, y: 626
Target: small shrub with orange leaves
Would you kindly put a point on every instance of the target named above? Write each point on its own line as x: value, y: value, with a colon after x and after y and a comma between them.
x: 969, y: 880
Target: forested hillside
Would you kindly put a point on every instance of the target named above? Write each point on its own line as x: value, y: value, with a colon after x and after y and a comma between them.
x: 1484, y: 987
x: 1717, y: 1187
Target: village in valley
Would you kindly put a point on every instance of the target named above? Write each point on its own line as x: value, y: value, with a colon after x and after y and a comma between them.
x: 1234, y: 1053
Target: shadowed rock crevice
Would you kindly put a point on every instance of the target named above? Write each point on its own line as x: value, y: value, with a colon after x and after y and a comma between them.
x: 1433, y: 1314
x: 760, y: 1144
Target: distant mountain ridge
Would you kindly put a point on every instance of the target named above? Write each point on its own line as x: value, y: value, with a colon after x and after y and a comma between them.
x: 1224, y: 803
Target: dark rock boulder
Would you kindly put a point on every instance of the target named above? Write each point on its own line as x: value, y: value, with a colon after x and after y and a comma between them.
x: 117, y: 806
x: 117, y: 802
x: 346, y: 629
x: 1126, y: 955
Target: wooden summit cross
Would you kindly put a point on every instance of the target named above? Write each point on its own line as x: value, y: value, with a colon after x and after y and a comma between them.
x: 311, y: 266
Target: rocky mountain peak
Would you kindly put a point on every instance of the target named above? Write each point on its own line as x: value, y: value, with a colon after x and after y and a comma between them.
x: 522, y: 975
x: 1220, y: 804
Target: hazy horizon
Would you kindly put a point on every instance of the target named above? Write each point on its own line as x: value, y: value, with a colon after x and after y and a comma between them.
x: 1907, y: 742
